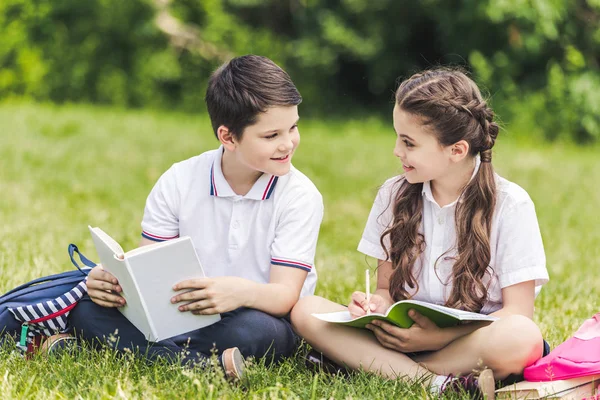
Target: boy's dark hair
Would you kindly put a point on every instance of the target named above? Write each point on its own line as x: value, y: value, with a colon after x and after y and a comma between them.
x: 244, y: 87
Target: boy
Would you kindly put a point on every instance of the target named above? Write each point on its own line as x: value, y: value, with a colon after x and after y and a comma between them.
x: 253, y: 218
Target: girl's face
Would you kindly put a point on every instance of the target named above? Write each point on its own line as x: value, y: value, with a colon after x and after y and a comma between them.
x: 423, y: 157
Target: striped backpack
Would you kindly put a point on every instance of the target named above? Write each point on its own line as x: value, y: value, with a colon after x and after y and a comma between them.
x: 40, y: 308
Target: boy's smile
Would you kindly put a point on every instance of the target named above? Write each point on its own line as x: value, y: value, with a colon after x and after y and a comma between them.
x: 283, y: 159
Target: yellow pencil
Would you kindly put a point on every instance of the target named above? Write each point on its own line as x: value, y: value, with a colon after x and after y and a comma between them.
x: 368, y: 292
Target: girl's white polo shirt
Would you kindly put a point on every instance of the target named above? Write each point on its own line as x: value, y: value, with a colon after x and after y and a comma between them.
x: 517, y: 251
x: 277, y: 222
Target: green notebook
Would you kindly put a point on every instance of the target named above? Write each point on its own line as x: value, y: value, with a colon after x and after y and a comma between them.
x: 397, y: 314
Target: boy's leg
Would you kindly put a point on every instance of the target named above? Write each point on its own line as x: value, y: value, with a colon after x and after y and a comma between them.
x: 99, y: 325
x: 254, y: 332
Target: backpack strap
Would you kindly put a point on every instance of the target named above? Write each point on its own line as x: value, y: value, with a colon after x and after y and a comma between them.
x: 56, y: 277
x: 72, y: 250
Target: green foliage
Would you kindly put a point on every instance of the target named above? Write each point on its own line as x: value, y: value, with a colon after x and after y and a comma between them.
x: 115, y: 52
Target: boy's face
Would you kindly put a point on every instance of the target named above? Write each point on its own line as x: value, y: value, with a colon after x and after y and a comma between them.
x: 269, y: 144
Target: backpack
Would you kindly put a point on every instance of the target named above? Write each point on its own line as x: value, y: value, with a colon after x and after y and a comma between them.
x: 576, y: 357
x: 40, y: 307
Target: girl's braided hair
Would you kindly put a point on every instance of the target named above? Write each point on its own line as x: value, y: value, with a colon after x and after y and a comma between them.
x: 450, y: 105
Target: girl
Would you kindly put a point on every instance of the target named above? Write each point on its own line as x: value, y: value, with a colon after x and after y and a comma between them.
x: 449, y: 231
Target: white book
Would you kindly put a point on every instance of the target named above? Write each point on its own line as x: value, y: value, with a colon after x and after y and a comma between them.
x: 146, y: 276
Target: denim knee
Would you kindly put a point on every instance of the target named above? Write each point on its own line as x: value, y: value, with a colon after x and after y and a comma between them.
x: 263, y: 335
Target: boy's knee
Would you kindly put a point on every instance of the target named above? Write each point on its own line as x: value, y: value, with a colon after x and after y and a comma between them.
x: 301, y: 313
x: 87, y: 318
x: 83, y: 313
x: 264, y: 332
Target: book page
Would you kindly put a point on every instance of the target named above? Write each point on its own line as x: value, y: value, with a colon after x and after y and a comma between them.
x: 107, y: 240
x: 134, y: 308
x: 578, y: 387
x: 148, y: 247
x: 459, y: 314
x: 156, y: 271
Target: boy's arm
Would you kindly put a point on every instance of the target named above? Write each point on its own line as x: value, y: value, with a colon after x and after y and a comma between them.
x: 207, y: 296
x: 292, y: 257
x: 145, y: 242
x: 279, y: 295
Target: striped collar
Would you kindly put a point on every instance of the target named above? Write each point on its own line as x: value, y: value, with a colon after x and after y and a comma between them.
x: 429, y: 194
x: 261, y: 190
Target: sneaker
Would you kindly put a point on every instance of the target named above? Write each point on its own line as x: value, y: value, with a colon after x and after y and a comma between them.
x: 476, y: 385
x: 317, y: 361
x: 232, y: 362
x: 58, y: 343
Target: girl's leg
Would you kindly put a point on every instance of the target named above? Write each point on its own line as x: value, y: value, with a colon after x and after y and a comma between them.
x: 355, y: 348
x: 506, y: 346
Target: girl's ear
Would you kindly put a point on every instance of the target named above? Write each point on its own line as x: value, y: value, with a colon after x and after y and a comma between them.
x: 226, y: 138
x: 459, y: 150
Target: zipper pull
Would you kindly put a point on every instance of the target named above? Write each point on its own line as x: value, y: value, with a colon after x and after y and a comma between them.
x: 23, y: 340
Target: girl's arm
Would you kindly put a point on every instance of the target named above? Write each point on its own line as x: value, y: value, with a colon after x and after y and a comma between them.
x: 380, y: 300
x: 384, y: 273
x: 517, y: 299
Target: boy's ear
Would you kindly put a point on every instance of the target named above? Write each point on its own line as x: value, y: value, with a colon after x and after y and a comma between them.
x: 226, y: 138
x: 459, y: 150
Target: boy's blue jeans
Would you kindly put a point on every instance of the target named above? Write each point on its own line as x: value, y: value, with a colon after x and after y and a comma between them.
x: 254, y: 332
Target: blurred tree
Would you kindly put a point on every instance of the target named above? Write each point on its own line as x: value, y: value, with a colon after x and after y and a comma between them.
x: 539, y: 57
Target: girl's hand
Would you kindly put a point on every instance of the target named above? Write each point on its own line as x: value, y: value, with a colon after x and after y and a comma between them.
x: 423, y: 335
x: 210, y: 295
x: 103, y: 288
x: 358, y: 304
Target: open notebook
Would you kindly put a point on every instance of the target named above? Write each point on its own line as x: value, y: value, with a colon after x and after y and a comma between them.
x: 397, y: 314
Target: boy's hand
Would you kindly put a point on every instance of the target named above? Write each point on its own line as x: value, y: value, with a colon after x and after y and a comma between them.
x: 103, y: 288
x: 211, y: 295
x: 423, y: 335
x: 358, y: 304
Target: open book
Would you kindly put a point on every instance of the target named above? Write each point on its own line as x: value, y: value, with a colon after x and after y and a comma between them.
x: 397, y: 314
x: 147, y: 275
x: 571, y: 389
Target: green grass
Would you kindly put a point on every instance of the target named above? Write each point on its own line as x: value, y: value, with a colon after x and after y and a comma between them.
x: 62, y: 168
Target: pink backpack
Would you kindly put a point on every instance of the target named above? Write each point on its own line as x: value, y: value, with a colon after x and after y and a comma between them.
x: 577, y: 356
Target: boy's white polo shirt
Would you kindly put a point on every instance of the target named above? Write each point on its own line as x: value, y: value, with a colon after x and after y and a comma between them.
x: 517, y: 251
x: 276, y: 222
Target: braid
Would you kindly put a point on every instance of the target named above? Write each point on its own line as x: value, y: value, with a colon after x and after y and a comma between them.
x: 481, y: 113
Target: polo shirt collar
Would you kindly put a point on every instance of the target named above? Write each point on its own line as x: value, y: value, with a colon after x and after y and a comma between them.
x: 427, y: 185
x: 261, y: 190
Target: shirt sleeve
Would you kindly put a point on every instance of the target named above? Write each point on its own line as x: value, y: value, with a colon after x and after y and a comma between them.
x: 161, y: 216
x: 297, y: 232
x: 520, y: 251
x: 380, y: 218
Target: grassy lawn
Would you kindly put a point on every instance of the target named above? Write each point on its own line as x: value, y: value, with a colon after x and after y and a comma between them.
x: 62, y: 168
